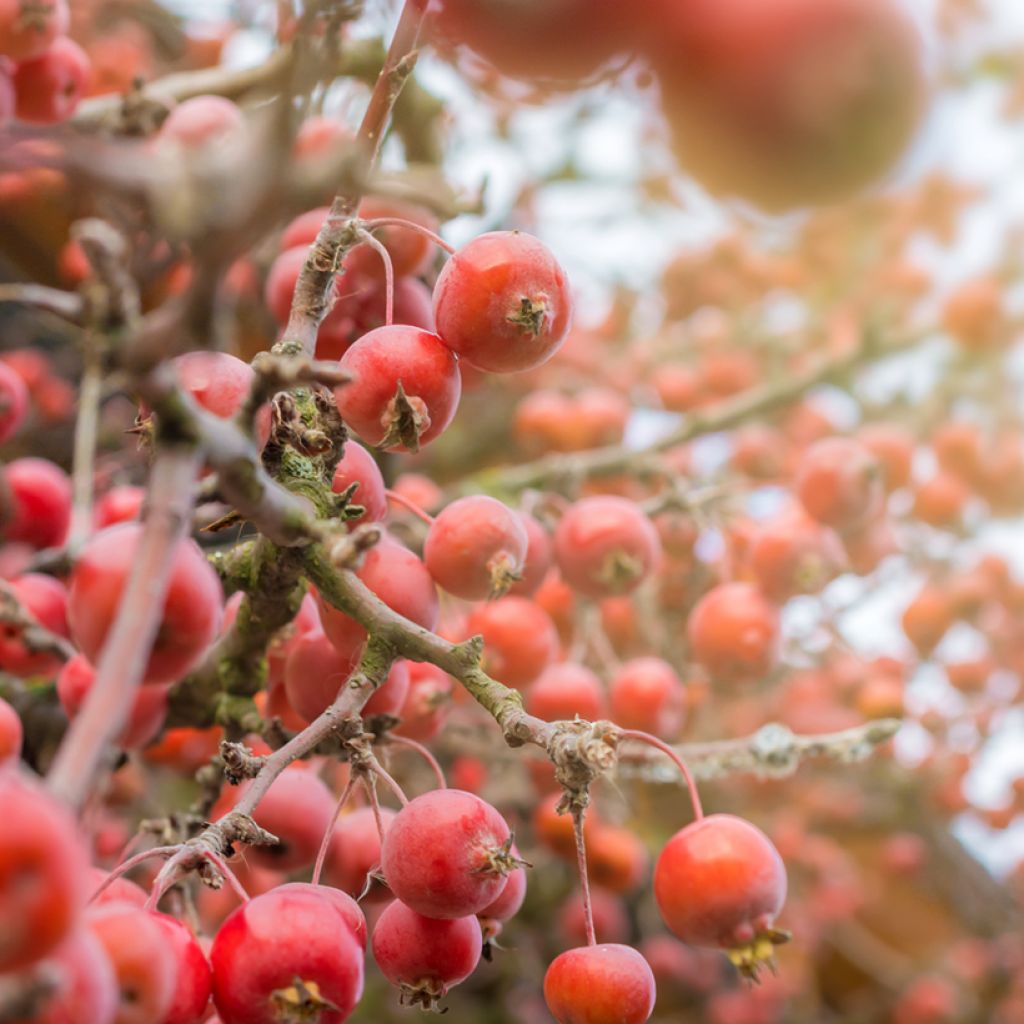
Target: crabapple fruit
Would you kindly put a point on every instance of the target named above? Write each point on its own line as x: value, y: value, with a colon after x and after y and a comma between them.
x: 602, y: 984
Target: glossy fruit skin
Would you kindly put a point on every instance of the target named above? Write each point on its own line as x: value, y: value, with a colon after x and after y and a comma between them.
x: 355, y: 851
x: 647, y: 694
x: 11, y: 734
x: 358, y: 466
x: 602, y: 984
x: 315, y: 671
x: 46, y: 600
x: 520, y: 640
x: 418, y: 952
x: 475, y: 547
x: 13, y: 395
x: 437, y: 854
x: 44, y: 871
x: 192, y: 608
x: 25, y: 38
x: 86, y: 991
x: 48, y: 89
x: 733, y: 633
x: 136, y: 945
x: 503, y: 303
x: 287, y: 933
x: 566, y: 690
x: 193, y: 977
x: 399, y: 579
x: 719, y: 882
x: 606, y: 546
x: 382, y: 360
x: 119, y: 505
x: 149, y: 706
x: 297, y: 809
x: 345, y: 905
x: 792, y: 102
x: 41, y: 501
x: 839, y: 483
x: 426, y: 702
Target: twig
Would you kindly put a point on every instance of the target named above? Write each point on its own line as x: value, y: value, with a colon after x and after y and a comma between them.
x: 67, y: 305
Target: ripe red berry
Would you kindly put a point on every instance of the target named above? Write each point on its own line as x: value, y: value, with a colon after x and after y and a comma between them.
x: 85, y: 990
x: 839, y: 483
x: 44, y: 871
x: 606, y: 545
x: 358, y: 466
x: 503, y: 303
x: 45, y: 599
x: 40, y: 503
x: 201, y: 120
x: 603, y: 984
x: 469, y: 857
x: 426, y: 703
x: 192, y: 976
x: 539, y: 556
x: 48, y: 88
x: 13, y: 393
x: 510, y: 899
x: 424, y: 956
x: 220, y: 383
x: 192, y: 607
x: 734, y: 633
x: 793, y: 554
x: 720, y: 882
x: 354, y: 853
x: 11, y: 734
x: 119, y: 505
x: 564, y: 691
x: 137, y: 948
x: 520, y: 640
x: 28, y: 30
x: 476, y: 548
x: 647, y: 694
x: 399, y: 579
x: 285, y: 953
x: 149, y: 705
x: 406, y: 387
x: 315, y: 671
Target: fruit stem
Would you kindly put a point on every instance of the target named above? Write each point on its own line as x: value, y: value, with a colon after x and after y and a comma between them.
x: 578, y: 813
x: 377, y: 767
x: 132, y: 862
x: 382, y: 222
x: 389, y: 275
x: 644, y: 737
x: 326, y: 841
x: 399, y: 499
x: 370, y: 784
x: 427, y: 756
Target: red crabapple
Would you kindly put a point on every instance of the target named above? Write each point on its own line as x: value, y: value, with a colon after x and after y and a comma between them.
x: 520, y: 640
x: 426, y: 703
x: 341, y: 901
x: 539, y: 556
x: 603, y: 984
x: 425, y: 956
x: 794, y: 554
x: 719, y: 882
x: 48, y: 88
x: 137, y: 948
x: 606, y: 545
x: 11, y: 734
x: 28, y: 29
x: 315, y: 671
x: 45, y: 599
x: 503, y: 303
x: 468, y: 863
x: 149, y: 704
x: 119, y: 505
x: 358, y: 466
x: 510, y: 899
x: 399, y: 579
x: 40, y: 503
x: 13, y: 393
x: 193, y: 978
x: 120, y: 890
x: 405, y: 390
x: 565, y: 691
x: 734, y: 633
x: 200, y: 121
x: 647, y: 694
x: 287, y: 952
x: 475, y: 548
x: 192, y: 607
x: 839, y: 483
x: 44, y: 871
x: 354, y: 853
x: 86, y: 989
